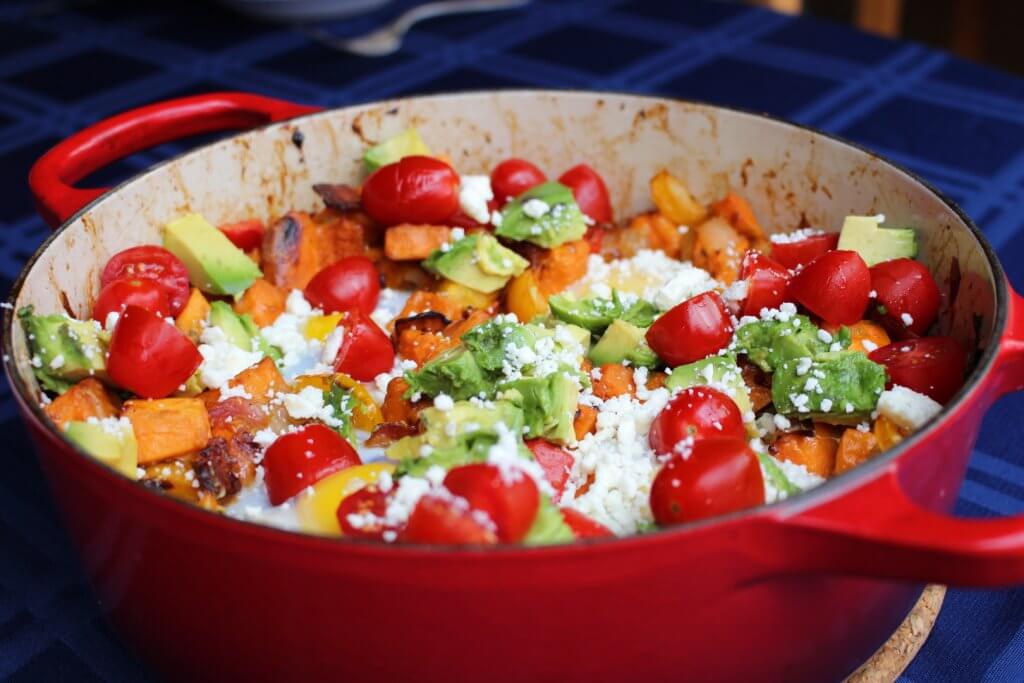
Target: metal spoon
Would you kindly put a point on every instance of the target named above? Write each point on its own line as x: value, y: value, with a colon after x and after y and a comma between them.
x: 388, y: 39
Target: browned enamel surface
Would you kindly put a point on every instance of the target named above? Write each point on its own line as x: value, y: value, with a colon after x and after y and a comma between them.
x: 792, y: 177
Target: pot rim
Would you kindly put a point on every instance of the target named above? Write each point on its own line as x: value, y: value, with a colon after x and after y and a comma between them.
x: 831, y: 489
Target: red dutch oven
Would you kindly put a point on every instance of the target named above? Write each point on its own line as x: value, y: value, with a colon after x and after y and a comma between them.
x: 803, y: 590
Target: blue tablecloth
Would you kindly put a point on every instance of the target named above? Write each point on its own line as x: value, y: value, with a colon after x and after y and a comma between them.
x: 957, y: 124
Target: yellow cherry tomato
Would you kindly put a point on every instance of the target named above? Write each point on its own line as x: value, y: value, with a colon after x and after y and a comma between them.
x: 319, y: 326
x: 318, y: 509
x: 366, y: 413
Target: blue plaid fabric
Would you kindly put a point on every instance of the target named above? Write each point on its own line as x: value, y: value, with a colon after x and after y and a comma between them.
x: 62, y: 68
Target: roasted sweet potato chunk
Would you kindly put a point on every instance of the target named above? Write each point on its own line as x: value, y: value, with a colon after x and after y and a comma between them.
x: 168, y: 427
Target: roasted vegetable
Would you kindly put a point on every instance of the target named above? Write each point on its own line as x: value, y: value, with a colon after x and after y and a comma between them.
x: 168, y: 427
x: 88, y: 398
x: 414, y: 242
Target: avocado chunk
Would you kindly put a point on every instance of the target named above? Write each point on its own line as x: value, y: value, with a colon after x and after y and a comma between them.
x: 240, y: 330
x: 617, y: 342
x: 458, y: 436
x: 548, y: 405
x: 596, y: 313
x: 477, y: 261
x: 548, y: 526
x: 64, y: 350
x: 841, y: 387
x: 720, y: 372
x: 214, y: 264
x: 546, y: 215
x: 767, y: 343
x: 864, y: 235
x: 455, y: 373
x: 110, y: 440
x: 406, y: 144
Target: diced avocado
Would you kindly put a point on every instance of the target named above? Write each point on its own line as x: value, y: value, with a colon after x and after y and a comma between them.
x: 596, y: 314
x: 265, y: 347
x: 548, y: 405
x: 477, y: 261
x: 549, y: 526
x: 222, y: 316
x: 718, y: 371
x: 406, y: 144
x: 193, y: 387
x: 455, y: 373
x: 579, y: 334
x: 455, y: 437
x: 841, y: 387
x: 642, y: 356
x: 110, y: 441
x: 616, y: 343
x: 214, y: 264
x: 64, y: 350
x: 864, y: 235
x: 769, y: 342
x: 778, y: 478
x: 546, y: 215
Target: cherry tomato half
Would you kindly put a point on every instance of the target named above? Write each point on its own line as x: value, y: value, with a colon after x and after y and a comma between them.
x: 693, y: 330
x: 245, y: 235
x: 698, y: 413
x: 835, y: 287
x: 510, y: 499
x: 512, y: 177
x: 150, y: 262
x: 793, y: 254
x: 120, y: 293
x: 583, y: 526
x: 554, y: 460
x: 441, y: 520
x: 368, y: 505
x: 365, y: 350
x: 148, y: 355
x: 719, y: 476
x: 907, y: 298
x: 590, y: 192
x: 767, y: 283
x: 351, y: 283
x: 299, y: 459
x: 416, y: 189
x: 931, y: 365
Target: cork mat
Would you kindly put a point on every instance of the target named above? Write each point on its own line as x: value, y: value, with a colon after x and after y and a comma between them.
x: 895, y: 656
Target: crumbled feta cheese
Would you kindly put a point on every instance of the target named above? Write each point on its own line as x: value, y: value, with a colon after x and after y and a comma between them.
x: 536, y: 208
x: 331, y: 345
x: 308, y: 404
x: 57, y: 361
x: 906, y: 407
x: 907, y: 319
x: 795, y: 236
x: 474, y: 193
x: 222, y: 360
x: 826, y: 405
x: 444, y: 402
x: 825, y: 336
x: 868, y: 345
x: 111, y: 321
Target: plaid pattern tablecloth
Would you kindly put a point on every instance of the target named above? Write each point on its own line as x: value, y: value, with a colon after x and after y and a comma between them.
x: 65, y: 66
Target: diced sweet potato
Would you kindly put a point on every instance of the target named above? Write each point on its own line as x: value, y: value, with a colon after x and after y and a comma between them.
x: 262, y: 301
x: 289, y: 251
x: 663, y: 234
x: 168, y: 427
x: 398, y: 409
x: 737, y: 211
x: 422, y: 301
x: 420, y: 346
x: 343, y: 236
x: 560, y: 267
x: 816, y: 453
x: 615, y: 380
x: 656, y: 380
x: 855, y: 447
x: 887, y: 433
x: 191, y: 318
x: 585, y: 421
x: 867, y: 331
x: 674, y: 200
x: 408, y: 242
x: 88, y: 398
x: 461, y: 327
x: 260, y: 381
x: 719, y: 249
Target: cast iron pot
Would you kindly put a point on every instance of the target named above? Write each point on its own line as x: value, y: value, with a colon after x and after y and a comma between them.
x: 803, y: 590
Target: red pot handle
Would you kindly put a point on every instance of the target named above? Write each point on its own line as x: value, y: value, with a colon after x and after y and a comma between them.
x: 880, y: 532
x: 52, y: 178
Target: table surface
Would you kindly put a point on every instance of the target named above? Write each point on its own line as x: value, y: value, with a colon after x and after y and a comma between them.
x: 61, y: 68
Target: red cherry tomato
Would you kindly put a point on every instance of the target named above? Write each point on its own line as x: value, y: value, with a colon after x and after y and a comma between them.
x: 120, y: 293
x: 554, y: 460
x: 150, y: 262
x: 510, y: 499
x: 793, y: 254
x: 512, y: 177
x: 365, y: 350
x: 440, y: 520
x: 931, y: 365
x: 583, y: 526
x: 245, y: 235
x: 299, y: 459
x: 719, y: 476
x: 767, y: 283
x: 697, y: 413
x: 369, y: 504
x: 351, y: 283
x: 835, y: 287
x: 416, y: 189
x: 590, y: 192
x: 904, y: 287
x: 148, y: 355
x: 693, y: 330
